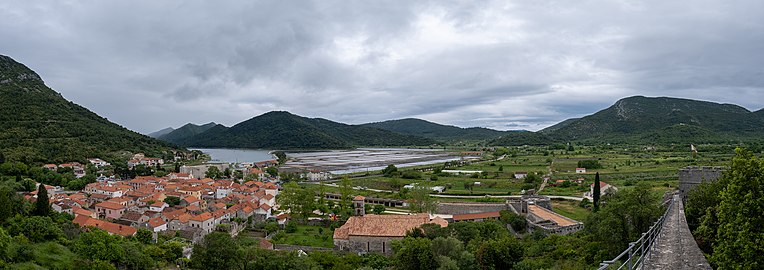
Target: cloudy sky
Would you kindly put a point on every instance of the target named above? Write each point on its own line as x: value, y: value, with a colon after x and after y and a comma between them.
x: 502, y: 64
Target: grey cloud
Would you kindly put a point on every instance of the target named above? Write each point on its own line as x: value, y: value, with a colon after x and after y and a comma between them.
x: 500, y: 64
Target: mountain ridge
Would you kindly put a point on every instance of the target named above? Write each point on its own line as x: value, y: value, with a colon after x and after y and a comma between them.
x: 37, y: 124
x: 284, y: 130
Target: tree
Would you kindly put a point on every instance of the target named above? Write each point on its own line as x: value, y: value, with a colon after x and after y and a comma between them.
x: 298, y: 200
x: 626, y: 215
x: 414, y: 254
x: 144, y: 236
x: 589, y: 164
x: 345, y: 193
x: 596, y: 193
x: 213, y: 172
x: 11, y: 203
x: 518, y: 222
x: 379, y: 209
x: 272, y: 171
x: 740, y: 232
x: 390, y: 171
x: 28, y: 184
x: 501, y: 253
x: 421, y: 202
x: 42, y: 206
x: 172, y: 200
x: 177, y: 167
x: 217, y: 251
x: 2, y: 158
x: 37, y: 228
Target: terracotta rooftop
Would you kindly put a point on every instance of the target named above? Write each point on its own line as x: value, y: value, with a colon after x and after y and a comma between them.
x: 112, y: 228
x: 384, y: 225
x: 359, y: 198
x: 110, y: 205
x: 156, y: 222
x: 204, y: 216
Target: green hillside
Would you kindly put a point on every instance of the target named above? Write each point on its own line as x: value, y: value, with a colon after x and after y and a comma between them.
x: 158, y: 133
x: 662, y: 120
x: 422, y: 128
x: 38, y: 125
x: 185, y: 132
x: 284, y: 130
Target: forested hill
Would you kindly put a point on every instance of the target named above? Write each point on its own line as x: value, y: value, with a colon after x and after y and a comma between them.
x: 38, y: 125
x: 180, y: 135
x: 422, y: 128
x: 283, y: 130
x: 663, y: 119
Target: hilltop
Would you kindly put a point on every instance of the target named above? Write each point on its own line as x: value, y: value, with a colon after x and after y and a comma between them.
x: 283, y: 130
x: 180, y: 135
x: 38, y: 125
x: 662, y: 119
x: 422, y: 128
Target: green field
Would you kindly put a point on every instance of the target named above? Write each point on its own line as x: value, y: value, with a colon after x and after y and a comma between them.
x: 306, y: 236
x: 570, y: 209
x: 623, y: 167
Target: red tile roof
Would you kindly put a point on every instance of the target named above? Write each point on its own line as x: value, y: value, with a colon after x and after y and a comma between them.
x: 112, y: 228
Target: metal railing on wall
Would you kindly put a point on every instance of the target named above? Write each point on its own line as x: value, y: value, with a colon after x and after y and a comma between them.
x: 638, y: 251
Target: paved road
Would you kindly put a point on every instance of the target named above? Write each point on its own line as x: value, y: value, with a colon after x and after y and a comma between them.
x: 675, y: 248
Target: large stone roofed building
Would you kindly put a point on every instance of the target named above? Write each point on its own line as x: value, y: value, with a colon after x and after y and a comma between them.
x: 538, y: 212
x: 541, y: 218
x: 692, y: 176
x: 373, y: 233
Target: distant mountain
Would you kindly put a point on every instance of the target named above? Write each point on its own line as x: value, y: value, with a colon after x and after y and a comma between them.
x: 38, y: 125
x: 180, y: 135
x: 662, y: 119
x: 159, y: 133
x: 422, y: 128
x: 558, y: 125
x: 283, y: 130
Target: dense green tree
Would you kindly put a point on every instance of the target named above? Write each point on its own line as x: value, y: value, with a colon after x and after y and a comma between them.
x: 590, y: 164
x: 213, y: 172
x: 217, y: 251
x: 11, y: 203
x: 144, y: 236
x: 740, y: 232
x: 390, y: 171
x: 596, y: 193
x: 502, y: 253
x: 37, y: 228
x: 378, y: 209
x: 2, y: 158
x: 172, y: 200
x: 28, y: 185
x: 272, y: 171
x: 624, y: 217
x: 42, y: 205
x: 518, y: 222
x: 414, y: 254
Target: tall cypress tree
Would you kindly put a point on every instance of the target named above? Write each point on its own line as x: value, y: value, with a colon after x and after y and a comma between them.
x: 596, y: 192
x: 2, y: 158
x: 42, y: 206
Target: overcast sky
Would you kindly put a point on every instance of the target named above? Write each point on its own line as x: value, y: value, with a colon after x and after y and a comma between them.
x: 523, y: 64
